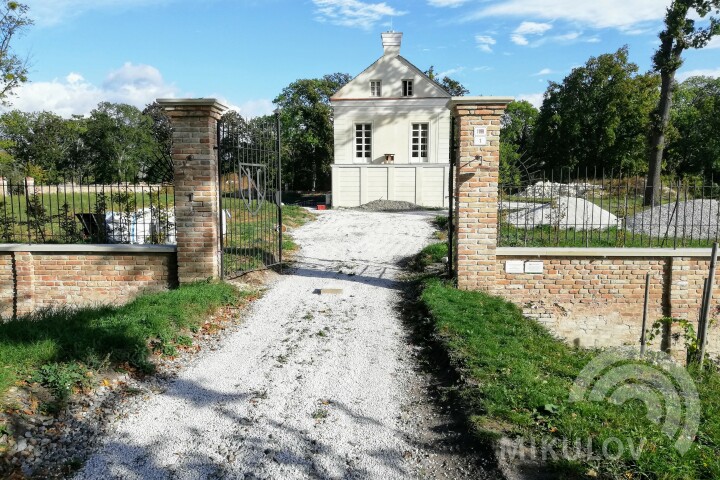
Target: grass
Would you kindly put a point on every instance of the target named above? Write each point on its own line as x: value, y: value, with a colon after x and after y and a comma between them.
x: 518, y: 383
x: 50, y: 223
x: 252, y: 241
x: 58, y: 347
x: 549, y: 236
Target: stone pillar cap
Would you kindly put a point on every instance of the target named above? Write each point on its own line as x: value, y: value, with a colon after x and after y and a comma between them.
x: 192, y: 102
x: 455, y: 101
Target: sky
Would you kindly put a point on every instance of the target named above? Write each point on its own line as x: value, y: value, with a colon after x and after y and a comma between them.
x: 244, y: 52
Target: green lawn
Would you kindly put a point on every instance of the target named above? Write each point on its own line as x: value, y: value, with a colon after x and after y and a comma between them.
x: 52, y: 219
x: 518, y: 380
x: 252, y: 241
x: 56, y: 348
x: 549, y: 236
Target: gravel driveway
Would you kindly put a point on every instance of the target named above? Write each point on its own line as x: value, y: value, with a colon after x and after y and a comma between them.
x: 309, y: 386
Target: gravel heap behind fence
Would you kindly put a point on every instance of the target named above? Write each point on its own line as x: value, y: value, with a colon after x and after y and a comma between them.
x: 694, y: 219
x: 554, y: 190
x: 565, y: 213
x: 389, y: 206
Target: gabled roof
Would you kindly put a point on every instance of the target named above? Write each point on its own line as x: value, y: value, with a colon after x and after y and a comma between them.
x: 388, y: 68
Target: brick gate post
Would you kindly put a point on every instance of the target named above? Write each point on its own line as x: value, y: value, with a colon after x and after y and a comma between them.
x: 197, y: 197
x: 477, y: 122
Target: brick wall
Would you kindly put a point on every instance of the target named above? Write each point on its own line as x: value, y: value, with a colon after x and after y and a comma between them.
x: 597, y: 300
x: 42, y: 278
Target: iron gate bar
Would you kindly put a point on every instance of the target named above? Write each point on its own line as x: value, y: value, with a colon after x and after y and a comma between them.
x: 250, y: 176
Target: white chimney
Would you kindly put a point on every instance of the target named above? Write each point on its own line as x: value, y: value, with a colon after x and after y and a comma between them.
x: 391, y: 43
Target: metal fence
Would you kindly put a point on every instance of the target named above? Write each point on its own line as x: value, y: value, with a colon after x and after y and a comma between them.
x: 84, y: 212
x: 572, y: 210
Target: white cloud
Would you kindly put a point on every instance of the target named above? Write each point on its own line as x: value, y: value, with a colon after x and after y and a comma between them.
x: 535, y: 98
x: 354, y: 13
x: 544, y: 71
x: 526, y: 29
x: 621, y: 14
x: 450, y: 72
x: 714, y: 43
x: 701, y: 72
x: 485, y: 42
x: 446, y: 3
x: 51, y: 12
x: 137, y: 85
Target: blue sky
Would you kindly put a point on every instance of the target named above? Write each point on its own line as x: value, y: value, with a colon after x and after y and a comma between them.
x: 245, y: 51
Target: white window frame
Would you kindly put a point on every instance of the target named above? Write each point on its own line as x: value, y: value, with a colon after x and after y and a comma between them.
x: 376, y: 88
x: 364, y: 158
x: 408, y: 87
x: 419, y: 159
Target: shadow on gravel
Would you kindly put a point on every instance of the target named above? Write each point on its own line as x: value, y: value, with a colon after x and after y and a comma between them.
x: 465, y: 456
x: 243, y: 453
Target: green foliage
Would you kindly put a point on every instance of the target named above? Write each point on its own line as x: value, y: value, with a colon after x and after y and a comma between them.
x: 516, y: 135
x: 115, y: 143
x: 682, y: 31
x: 599, y: 116
x: 518, y: 383
x: 13, y: 69
x: 453, y: 87
x: 307, y: 126
x: 693, y: 143
x: 62, y: 378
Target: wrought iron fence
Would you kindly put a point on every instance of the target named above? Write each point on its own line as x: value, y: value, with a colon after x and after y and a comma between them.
x: 84, y: 212
x: 572, y: 210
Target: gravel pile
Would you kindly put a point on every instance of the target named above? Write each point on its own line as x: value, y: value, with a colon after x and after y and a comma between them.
x: 564, y: 213
x: 695, y: 219
x: 552, y: 190
x: 389, y: 206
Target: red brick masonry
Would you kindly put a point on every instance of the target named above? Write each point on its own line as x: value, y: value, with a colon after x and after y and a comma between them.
x: 596, y: 299
x: 37, y: 276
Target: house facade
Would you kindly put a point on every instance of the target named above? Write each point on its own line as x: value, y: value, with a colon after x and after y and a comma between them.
x: 392, y: 134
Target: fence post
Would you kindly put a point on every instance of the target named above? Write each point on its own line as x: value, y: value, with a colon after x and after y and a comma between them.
x: 477, y: 173
x: 197, y: 202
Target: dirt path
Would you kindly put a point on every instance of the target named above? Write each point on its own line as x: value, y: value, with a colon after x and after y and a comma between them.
x: 310, y: 385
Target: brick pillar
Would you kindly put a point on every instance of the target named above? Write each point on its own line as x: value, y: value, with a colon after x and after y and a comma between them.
x: 476, y: 179
x: 197, y: 201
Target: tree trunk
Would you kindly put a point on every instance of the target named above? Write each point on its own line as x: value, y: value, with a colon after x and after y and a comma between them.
x: 657, y: 142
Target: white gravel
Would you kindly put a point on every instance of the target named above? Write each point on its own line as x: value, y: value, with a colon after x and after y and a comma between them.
x: 310, y: 385
x: 565, y: 213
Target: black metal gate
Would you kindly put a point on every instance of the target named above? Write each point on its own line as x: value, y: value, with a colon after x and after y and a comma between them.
x: 250, y: 194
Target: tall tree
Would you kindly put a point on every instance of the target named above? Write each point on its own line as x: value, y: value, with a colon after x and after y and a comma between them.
x: 120, y: 142
x: 13, y: 69
x: 693, y: 145
x: 161, y: 166
x: 681, y: 33
x: 516, y: 133
x: 306, y: 119
x: 453, y: 87
x: 597, y: 117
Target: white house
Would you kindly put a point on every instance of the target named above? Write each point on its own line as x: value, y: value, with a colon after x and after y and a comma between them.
x: 392, y: 134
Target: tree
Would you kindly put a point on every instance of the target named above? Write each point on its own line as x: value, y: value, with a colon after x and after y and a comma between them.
x: 120, y: 142
x: 516, y: 133
x: 13, y: 69
x: 693, y: 145
x: 306, y: 119
x: 40, y: 144
x: 453, y: 87
x: 681, y: 33
x: 597, y: 117
x: 161, y: 168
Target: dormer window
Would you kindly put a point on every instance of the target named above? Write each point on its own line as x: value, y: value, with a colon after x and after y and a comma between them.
x: 407, y: 88
x: 375, y: 88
